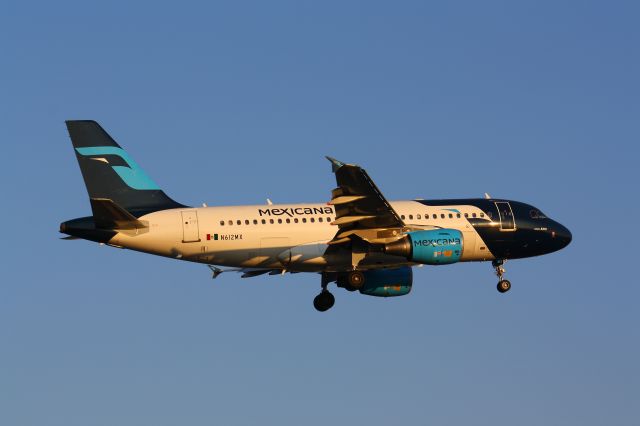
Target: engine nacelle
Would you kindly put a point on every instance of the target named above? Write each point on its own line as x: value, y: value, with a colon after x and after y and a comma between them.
x: 433, y: 247
x: 387, y: 282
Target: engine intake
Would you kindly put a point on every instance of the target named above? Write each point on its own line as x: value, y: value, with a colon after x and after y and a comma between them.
x: 433, y: 247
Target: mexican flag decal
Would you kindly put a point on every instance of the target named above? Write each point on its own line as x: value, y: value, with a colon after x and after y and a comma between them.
x: 212, y: 237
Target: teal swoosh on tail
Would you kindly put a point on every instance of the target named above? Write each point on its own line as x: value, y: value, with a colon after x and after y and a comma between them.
x: 133, y: 175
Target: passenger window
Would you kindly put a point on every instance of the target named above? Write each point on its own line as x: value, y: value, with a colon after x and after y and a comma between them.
x: 288, y: 220
x: 279, y: 220
x: 304, y: 220
x: 458, y: 215
x: 264, y: 221
x: 328, y: 220
x: 402, y: 216
x: 442, y: 215
x: 466, y: 215
x: 312, y: 220
x: 419, y: 217
x: 295, y: 220
x: 450, y: 215
x: 230, y: 222
x: 435, y: 216
x: 246, y: 221
x: 481, y: 214
x: 473, y: 214
x: 255, y: 221
x: 222, y: 223
x: 410, y: 217
x: 319, y: 219
x: 271, y: 221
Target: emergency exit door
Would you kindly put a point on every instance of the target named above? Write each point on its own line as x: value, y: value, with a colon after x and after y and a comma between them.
x: 190, y: 232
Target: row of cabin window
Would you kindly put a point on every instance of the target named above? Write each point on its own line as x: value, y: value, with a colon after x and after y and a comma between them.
x: 272, y: 221
x: 320, y: 219
x: 442, y: 215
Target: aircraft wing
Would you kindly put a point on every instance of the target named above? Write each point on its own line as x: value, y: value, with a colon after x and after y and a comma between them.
x: 361, y: 209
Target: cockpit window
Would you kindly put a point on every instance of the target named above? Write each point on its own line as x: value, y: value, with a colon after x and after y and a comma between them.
x: 537, y: 214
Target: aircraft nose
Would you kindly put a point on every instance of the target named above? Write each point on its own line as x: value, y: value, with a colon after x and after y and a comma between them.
x: 562, y: 235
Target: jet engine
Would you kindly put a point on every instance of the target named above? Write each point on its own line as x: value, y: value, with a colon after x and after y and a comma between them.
x: 432, y: 247
x: 387, y: 282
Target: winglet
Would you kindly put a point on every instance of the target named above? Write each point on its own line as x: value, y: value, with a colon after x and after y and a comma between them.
x: 335, y: 164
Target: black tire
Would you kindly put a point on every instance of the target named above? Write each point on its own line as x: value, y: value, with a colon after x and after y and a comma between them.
x: 356, y: 279
x: 330, y: 300
x: 317, y: 303
x: 504, y: 286
x: 324, y: 301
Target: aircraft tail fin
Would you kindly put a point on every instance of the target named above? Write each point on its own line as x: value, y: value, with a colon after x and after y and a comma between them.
x: 111, y: 174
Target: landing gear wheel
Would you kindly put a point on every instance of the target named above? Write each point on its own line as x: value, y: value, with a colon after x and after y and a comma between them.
x: 504, y: 286
x: 356, y: 279
x: 324, y: 301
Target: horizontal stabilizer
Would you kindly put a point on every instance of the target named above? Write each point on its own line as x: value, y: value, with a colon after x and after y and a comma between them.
x: 109, y: 215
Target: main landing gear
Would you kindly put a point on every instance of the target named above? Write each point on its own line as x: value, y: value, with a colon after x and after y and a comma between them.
x: 324, y: 301
x: 352, y: 281
x: 503, y: 285
x: 356, y: 279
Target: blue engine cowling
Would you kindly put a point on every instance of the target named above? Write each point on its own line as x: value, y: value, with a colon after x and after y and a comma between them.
x: 387, y: 282
x: 433, y: 247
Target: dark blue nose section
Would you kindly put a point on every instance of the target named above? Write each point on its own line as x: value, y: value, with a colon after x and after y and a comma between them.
x: 562, y: 235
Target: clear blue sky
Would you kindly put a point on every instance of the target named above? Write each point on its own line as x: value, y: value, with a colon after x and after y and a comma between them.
x: 231, y: 103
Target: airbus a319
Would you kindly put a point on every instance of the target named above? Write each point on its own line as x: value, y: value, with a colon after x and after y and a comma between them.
x: 358, y: 239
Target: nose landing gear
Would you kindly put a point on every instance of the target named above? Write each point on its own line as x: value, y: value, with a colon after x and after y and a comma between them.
x: 503, y: 285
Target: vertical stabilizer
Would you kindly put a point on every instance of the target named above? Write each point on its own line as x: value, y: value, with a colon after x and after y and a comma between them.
x: 110, y: 173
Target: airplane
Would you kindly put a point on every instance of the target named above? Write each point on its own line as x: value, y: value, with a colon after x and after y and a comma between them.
x: 358, y: 240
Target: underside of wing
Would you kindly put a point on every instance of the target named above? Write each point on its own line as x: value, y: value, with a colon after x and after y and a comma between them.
x: 247, y: 272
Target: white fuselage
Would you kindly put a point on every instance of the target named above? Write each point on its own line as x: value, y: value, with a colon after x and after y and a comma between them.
x: 286, y: 236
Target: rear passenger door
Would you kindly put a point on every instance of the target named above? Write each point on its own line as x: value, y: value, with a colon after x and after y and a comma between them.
x: 190, y: 231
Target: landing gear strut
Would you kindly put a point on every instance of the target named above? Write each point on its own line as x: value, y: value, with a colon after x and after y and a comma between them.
x: 503, y: 285
x: 325, y: 300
